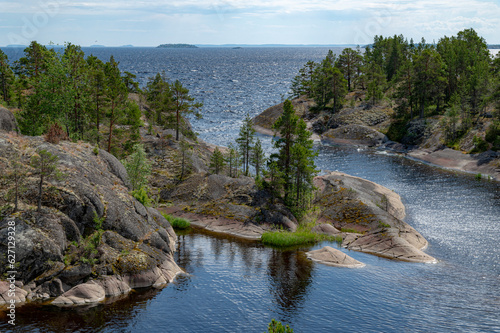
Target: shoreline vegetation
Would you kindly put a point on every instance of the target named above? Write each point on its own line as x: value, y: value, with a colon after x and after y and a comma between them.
x: 70, y: 119
x: 435, y: 103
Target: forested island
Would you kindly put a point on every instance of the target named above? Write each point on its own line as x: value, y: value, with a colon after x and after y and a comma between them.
x: 97, y: 172
x: 177, y: 46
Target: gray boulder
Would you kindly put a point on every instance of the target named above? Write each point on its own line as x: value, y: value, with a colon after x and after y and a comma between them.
x: 7, y: 120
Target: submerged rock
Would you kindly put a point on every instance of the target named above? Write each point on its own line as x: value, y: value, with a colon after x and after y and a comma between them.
x: 389, y: 245
x: 333, y: 257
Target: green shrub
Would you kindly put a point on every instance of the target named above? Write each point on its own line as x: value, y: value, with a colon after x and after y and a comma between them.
x: 397, y: 130
x: 480, y: 145
x: 277, y: 327
x: 98, y: 221
x: 177, y: 222
x: 180, y: 223
x: 142, y: 196
x: 478, y: 176
x: 492, y: 133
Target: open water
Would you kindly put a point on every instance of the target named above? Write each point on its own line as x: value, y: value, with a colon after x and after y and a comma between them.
x: 239, y: 286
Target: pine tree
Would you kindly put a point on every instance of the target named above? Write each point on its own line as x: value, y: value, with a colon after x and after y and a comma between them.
x: 375, y: 82
x: 116, y: 92
x: 303, y: 168
x: 138, y: 167
x: 183, y: 104
x: 233, y: 160
x: 185, y: 149
x: 45, y: 165
x: 217, y: 161
x: 97, y: 88
x: 302, y: 84
x: 274, y: 177
x: 245, y: 141
x: 6, y: 78
x: 160, y: 98
x: 285, y: 126
x: 17, y: 176
x: 257, y: 158
x: 349, y: 62
x: 292, y: 169
x: 428, y: 78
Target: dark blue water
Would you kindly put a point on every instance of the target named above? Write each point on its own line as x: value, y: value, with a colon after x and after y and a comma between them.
x: 238, y: 286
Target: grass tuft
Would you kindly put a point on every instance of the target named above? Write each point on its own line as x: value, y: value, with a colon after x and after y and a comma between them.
x: 301, y: 237
x: 177, y: 222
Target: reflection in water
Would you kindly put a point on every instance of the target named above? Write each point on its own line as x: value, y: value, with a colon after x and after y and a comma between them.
x: 289, y: 277
x: 116, y: 314
x: 238, y: 286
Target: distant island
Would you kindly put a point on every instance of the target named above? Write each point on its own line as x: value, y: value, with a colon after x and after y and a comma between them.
x: 177, y: 46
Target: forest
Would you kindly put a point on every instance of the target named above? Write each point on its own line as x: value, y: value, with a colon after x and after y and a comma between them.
x: 455, y: 78
x: 65, y: 95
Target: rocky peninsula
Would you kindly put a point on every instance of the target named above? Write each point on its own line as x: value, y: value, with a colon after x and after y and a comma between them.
x: 366, y: 215
x: 362, y: 124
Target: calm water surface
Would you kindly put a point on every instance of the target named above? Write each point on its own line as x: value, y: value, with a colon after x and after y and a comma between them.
x: 237, y: 286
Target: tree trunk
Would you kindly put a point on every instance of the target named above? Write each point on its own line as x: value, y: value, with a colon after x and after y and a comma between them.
x: 111, y: 123
x: 177, y: 126
x: 40, y: 193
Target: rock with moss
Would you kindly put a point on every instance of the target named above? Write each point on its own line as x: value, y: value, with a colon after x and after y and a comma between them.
x: 231, y: 205
x: 7, y: 120
x: 369, y: 217
x: 89, y: 228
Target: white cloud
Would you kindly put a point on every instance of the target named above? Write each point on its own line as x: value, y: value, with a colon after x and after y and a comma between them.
x: 353, y: 21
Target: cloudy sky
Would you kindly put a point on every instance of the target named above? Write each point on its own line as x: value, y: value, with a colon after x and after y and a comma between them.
x: 153, y: 22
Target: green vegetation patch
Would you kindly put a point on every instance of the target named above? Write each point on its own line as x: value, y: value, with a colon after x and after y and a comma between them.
x: 354, y: 230
x: 177, y: 222
x: 289, y: 239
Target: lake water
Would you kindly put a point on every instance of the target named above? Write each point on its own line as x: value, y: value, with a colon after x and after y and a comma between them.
x: 239, y: 286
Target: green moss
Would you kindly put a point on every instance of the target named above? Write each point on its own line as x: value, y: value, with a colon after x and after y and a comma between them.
x: 351, y: 231
x: 383, y: 225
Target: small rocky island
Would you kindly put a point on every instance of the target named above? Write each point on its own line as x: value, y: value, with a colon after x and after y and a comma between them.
x: 177, y: 46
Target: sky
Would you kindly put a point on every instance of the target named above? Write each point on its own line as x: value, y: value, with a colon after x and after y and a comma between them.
x: 154, y: 22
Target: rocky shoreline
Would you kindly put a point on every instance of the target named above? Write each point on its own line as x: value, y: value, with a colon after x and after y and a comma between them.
x: 66, y: 259
x: 363, y: 130
x: 90, y: 240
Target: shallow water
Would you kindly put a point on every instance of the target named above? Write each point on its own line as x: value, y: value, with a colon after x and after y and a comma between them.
x: 238, y: 286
